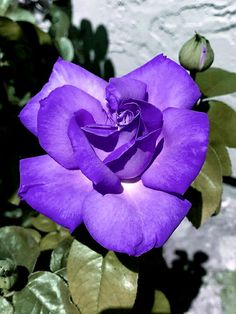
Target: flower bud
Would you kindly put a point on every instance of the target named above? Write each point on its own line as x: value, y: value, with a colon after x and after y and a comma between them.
x: 196, y: 54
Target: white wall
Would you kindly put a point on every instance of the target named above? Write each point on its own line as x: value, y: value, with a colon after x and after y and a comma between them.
x: 140, y: 29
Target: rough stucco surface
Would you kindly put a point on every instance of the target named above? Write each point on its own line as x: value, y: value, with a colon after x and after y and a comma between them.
x: 140, y: 29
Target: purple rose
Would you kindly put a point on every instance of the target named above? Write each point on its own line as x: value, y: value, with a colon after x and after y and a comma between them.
x: 120, y: 155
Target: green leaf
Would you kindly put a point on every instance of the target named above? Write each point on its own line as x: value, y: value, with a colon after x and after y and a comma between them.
x: 60, y: 254
x: 161, y: 304
x: 35, y: 234
x: 19, y: 14
x: 43, y: 37
x: 65, y: 48
x: 223, y: 155
x: 10, y: 30
x: 16, y: 243
x: 5, y: 306
x: 14, y: 214
x: 14, y: 199
x: 209, y: 184
x: 4, y: 5
x: 8, y: 274
x: 45, y: 293
x: 225, y: 119
x: 44, y: 224
x: 217, y: 142
x: 60, y: 22
x: 216, y: 82
x: 62, y: 273
x: 52, y: 239
x: 99, y: 283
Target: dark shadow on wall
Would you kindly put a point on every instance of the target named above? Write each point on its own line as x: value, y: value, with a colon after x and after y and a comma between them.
x: 230, y: 181
x: 180, y: 283
x: 91, y: 48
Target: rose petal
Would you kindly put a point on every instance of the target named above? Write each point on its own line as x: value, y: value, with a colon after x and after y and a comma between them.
x: 130, y: 160
x: 112, y: 222
x: 168, y: 84
x: 54, y: 191
x: 185, y: 135
x: 151, y: 116
x: 159, y: 212
x: 102, y: 137
x: 128, y: 132
x: 53, y: 120
x: 120, y: 89
x: 63, y: 73
x: 89, y: 163
x: 136, y: 220
x: 84, y: 117
x: 107, y: 139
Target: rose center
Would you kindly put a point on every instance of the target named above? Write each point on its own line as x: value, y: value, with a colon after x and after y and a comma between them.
x: 124, y: 118
x: 126, y: 112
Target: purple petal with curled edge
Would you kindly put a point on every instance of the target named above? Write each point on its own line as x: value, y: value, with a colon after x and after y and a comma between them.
x: 185, y: 135
x: 84, y: 117
x: 91, y: 166
x: 168, y: 84
x: 128, y: 132
x: 53, y: 120
x: 151, y: 116
x: 105, y: 138
x: 130, y: 160
x: 120, y: 89
x: 136, y: 220
x: 102, y: 137
x: 53, y: 190
x: 101, y: 130
x: 63, y: 73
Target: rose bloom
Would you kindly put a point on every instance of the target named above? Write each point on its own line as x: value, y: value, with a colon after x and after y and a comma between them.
x: 119, y: 154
